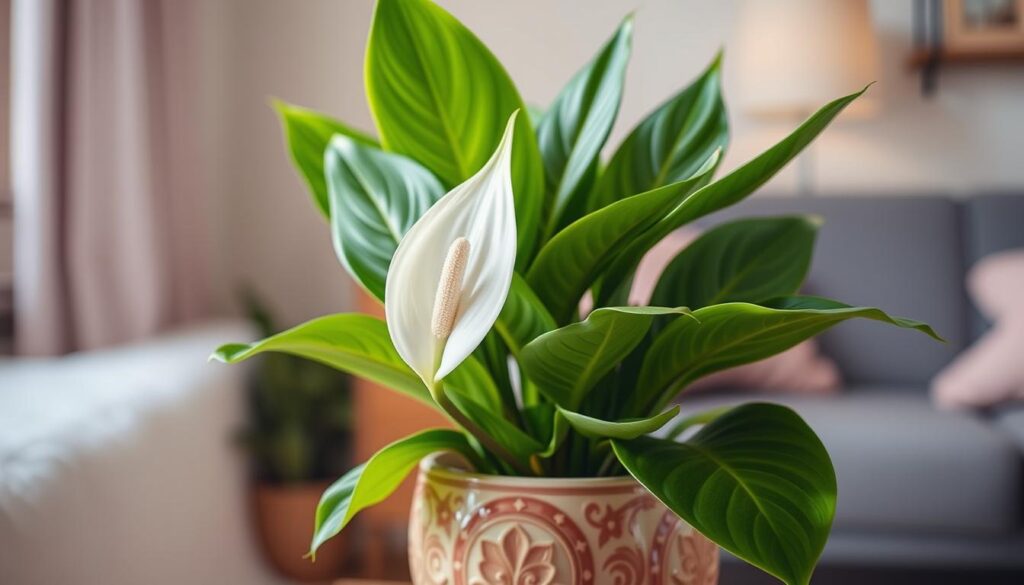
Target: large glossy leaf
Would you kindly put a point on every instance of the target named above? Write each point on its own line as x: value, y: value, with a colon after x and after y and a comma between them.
x: 757, y: 481
x: 575, y: 127
x: 566, y: 363
x: 439, y: 96
x: 360, y: 345
x: 732, y: 334
x: 523, y: 317
x: 724, y: 192
x: 595, y: 428
x: 747, y: 260
x: 372, y: 482
x: 671, y: 143
x: 568, y: 264
x: 307, y: 133
x: 375, y: 197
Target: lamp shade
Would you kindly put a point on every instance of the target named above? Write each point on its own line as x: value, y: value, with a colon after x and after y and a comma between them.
x: 793, y: 56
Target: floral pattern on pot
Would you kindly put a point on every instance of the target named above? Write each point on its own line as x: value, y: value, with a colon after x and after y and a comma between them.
x: 470, y: 529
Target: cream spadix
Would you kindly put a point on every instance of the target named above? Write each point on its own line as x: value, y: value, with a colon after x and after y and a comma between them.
x: 451, y: 273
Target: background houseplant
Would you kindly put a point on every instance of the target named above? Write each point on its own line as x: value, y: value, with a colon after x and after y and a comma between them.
x: 581, y: 395
x: 298, y: 436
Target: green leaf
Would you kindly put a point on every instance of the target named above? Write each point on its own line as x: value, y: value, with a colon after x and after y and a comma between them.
x: 523, y: 317
x: 438, y: 95
x: 747, y: 260
x: 757, y: 481
x: 307, y: 133
x: 360, y: 344
x: 353, y: 343
x: 701, y: 418
x: 375, y: 480
x: 724, y: 192
x: 732, y: 334
x: 375, y: 197
x: 566, y: 363
x: 505, y: 433
x: 671, y: 143
x: 575, y: 127
x: 624, y: 429
x: 568, y: 264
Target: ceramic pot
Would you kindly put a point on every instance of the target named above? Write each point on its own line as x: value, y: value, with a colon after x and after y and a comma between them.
x: 471, y: 529
x: 284, y: 519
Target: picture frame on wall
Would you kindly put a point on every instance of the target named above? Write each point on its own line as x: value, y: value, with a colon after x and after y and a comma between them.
x: 981, y: 27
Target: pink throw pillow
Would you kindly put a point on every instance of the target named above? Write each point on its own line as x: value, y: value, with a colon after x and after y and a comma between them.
x: 800, y: 369
x: 992, y: 369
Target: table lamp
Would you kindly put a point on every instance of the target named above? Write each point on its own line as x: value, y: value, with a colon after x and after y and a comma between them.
x: 794, y: 56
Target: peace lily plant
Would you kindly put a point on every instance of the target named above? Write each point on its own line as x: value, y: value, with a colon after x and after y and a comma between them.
x: 482, y: 227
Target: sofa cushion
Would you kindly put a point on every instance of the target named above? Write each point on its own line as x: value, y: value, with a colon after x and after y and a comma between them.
x: 1010, y: 421
x: 904, y: 467
x: 901, y: 254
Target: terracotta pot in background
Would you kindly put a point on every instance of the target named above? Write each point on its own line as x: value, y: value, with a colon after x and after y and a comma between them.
x: 284, y: 520
x: 471, y: 529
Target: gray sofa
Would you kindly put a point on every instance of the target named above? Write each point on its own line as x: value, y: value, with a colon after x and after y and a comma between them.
x: 917, y: 487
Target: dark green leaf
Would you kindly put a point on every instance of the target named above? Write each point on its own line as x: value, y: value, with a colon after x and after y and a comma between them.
x: 575, y: 127
x: 670, y: 144
x: 699, y: 419
x: 568, y: 264
x: 732, y: 334
x: 503, y: 432
x: 757, y: 481
x: 375, y: 197
x: 375, y: 480
x: 724, y: 192
x: 624, y: 429
x: 439, y: 96
x: 307, y: 133
x: 747, y: 260
x: 566, y: 363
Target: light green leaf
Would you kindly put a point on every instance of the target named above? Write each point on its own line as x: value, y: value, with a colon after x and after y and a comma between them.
x: 523, y: 317
x: 732, y: 334
x: 307, y: 133
x: 375, y: 480
x: 438, y: 95
x: 747, y: 260
x: 624, y: 429
x: 568, y: 264
x: 360, y: 344
x: 566, y: 363
x: 756, y: 481
x: 575, y: 127
x: 375, y: 197
x: 724, y: 192
x: 670, y: 144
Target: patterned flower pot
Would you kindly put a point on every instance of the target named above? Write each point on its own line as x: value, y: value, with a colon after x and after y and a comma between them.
x: 471, y: 529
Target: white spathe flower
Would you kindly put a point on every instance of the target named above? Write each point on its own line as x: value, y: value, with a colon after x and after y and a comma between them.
x: 451, y: 273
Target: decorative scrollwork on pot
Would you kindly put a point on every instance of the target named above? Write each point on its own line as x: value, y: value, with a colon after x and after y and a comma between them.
x: 625, y: 565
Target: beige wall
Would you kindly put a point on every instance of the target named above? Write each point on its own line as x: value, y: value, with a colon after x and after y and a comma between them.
x: 967, y: 138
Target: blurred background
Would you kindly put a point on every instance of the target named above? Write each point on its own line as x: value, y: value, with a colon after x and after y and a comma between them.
x: 149, y: 212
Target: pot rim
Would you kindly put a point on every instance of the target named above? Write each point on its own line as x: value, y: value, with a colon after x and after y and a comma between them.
x: 445, y: 465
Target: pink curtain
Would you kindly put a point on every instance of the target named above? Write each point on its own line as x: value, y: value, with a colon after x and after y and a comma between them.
x: 110, y: 229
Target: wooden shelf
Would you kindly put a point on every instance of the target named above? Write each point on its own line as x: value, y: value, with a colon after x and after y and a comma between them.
x: 921, y: 57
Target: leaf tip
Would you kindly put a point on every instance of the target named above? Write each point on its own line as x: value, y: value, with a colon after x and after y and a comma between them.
x: 814, y: 220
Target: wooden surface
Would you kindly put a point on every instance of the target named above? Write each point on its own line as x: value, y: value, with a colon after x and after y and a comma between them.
x: 921, y: 57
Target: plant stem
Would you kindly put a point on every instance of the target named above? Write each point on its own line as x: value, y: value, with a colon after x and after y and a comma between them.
x: 472, y: 428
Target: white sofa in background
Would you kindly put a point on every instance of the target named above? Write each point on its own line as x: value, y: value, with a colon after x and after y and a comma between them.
x: 116, y: 467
